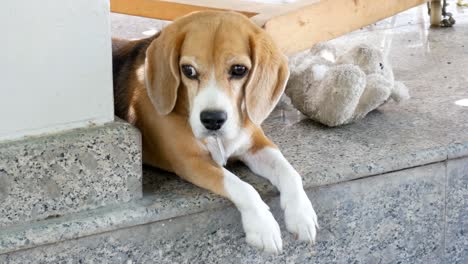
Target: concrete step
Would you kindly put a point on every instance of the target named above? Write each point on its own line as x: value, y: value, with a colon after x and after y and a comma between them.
x: 412, y: 216
x: 82, y: 169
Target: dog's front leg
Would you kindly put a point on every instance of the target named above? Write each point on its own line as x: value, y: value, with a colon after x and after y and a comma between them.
x: 265, y: 159
x: 262, y: 230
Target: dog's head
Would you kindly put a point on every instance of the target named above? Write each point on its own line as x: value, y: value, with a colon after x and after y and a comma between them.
x: 217, y: 68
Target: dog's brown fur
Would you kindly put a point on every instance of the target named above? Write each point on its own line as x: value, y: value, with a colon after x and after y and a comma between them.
x: 154, y: 91
x: 168, y: 141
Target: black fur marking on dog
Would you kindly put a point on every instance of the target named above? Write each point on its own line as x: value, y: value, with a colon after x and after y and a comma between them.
x: 124, y: 55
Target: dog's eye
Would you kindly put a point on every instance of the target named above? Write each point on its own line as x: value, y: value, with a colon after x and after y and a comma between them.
x: 189, y: 71
x: 238, y: 71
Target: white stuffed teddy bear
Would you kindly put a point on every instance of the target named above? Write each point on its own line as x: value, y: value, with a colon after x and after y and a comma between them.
x: 339, y: 90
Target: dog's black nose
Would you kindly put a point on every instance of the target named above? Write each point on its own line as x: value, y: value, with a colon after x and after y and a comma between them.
x: 213, y: 119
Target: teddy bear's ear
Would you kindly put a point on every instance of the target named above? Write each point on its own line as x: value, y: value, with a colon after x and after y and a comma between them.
x: 324, y: 50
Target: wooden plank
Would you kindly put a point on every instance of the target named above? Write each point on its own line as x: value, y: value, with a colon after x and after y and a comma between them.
x: 254, y: 6
x: 160, y: 9
x: 301, y: 29
x: 294, y: 26
x: 171, y: 9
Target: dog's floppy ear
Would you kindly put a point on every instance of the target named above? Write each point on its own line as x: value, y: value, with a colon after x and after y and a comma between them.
x: 267, y: 80
x: 162, y: 75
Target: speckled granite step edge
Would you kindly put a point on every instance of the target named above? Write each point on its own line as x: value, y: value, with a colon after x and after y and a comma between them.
x: 347, y: 172
x: 91, y: 222
x: 69, y: 171
x: 149, y: 209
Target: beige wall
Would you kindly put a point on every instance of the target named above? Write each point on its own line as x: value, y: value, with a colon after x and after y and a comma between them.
x: 55, y: 66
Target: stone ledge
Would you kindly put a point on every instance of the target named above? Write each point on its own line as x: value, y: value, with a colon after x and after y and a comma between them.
x: 166, y: 197
x: 81, y: 169
x: 388, y: 218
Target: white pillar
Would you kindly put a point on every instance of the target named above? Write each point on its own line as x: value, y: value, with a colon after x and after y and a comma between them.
x: 55, y: 66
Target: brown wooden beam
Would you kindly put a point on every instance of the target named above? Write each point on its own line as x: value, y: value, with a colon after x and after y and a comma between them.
x: 294, y: 26
x: 160, y: 9
x: 301, y: 29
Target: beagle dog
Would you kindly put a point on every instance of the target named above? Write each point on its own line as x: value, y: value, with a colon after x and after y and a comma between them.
x: 198, y: 91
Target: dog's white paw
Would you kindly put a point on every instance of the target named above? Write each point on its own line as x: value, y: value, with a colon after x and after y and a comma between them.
x: 262, y: 231
x: 300, y: 218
